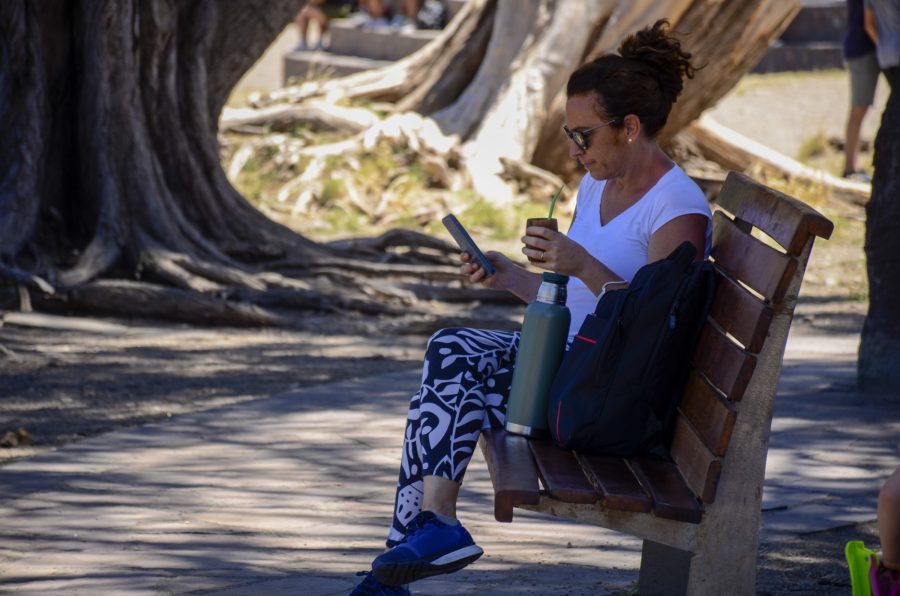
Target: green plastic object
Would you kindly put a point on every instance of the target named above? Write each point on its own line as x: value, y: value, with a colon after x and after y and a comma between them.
x: 860, y: 560
x: 553, y: 201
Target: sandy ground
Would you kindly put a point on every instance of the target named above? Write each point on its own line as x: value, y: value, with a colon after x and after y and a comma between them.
x: 785, y: 110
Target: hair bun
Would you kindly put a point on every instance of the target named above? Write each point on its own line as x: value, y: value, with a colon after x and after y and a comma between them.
x: 660, y: 52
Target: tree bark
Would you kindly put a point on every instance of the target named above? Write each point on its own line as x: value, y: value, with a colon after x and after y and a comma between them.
x: 879, y: 348
x: 105, y: 161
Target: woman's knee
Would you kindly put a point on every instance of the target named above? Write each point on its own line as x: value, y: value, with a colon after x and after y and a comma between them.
x: 442, y: 338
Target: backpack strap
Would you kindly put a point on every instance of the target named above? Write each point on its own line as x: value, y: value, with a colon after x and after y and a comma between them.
x: 684, y: 254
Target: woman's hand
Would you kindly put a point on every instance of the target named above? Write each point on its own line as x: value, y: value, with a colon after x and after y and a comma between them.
x: 554, y: 251
x: 503, y: 270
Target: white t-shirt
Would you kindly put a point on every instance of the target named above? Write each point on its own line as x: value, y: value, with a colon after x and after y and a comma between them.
x: 622, y: 244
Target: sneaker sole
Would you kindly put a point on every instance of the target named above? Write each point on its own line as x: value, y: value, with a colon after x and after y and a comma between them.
x: 396, y: 574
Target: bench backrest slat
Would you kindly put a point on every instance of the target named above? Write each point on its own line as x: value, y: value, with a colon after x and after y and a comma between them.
x: 740, y: 314
x: 727, y: 366
x: 709, y: 412
x: 750, y: 260
x: 782, y: 217
x: 698, y: 465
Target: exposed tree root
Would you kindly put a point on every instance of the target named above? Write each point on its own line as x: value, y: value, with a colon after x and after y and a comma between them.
x: 734, y: 151
x: 132, y: 298
x: 374, y: 247
x: 283, y: 117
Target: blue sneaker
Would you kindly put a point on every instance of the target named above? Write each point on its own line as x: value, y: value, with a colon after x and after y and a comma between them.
x: 431, y: 547
x: 370, y: 586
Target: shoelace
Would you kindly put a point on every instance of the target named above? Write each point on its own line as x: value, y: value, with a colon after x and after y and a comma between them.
x: 417, y: 523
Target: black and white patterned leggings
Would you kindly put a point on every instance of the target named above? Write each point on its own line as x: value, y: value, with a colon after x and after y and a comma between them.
x: 466, y: 379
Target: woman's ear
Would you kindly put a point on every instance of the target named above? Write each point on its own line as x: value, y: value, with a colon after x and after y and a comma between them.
x: 631, y: 124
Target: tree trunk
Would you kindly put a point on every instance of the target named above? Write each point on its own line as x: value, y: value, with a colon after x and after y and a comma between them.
x: 879, y: 348
x: 110, y: 125
x: 109, y: 162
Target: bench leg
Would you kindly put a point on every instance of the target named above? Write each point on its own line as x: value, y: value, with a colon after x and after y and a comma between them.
x: 664, y: 570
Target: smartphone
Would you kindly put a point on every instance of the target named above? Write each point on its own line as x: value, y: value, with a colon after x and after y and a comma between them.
x: 466, y: 243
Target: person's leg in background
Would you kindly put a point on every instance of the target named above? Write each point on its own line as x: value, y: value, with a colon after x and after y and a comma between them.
x: 311, y: 13
x: 863, y: 81
x: 410, y: 8
x: 377, y: 9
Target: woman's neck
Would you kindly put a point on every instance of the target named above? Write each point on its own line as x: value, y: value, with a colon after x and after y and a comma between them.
x: 648, y: 165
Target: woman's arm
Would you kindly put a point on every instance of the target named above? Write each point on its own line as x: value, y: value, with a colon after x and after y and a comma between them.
x: 557, y: 252
x: 563, y: 255
x: 508, y: 276
x: 672, y: 234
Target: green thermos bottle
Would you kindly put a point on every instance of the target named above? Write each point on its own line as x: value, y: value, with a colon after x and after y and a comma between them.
x: 541, y: 349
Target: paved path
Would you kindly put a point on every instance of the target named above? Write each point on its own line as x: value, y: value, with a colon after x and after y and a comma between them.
x: 291, y: 494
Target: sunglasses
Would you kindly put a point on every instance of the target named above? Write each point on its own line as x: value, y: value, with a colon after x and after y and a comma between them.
x: 580, y: 137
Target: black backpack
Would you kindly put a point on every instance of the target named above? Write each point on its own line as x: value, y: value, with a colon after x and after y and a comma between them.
x: 619, y: 384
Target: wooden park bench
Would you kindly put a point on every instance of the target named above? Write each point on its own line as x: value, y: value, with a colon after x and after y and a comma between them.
x: 698, y: 516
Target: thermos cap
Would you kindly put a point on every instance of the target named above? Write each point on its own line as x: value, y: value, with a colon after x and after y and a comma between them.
x: 555, y: 278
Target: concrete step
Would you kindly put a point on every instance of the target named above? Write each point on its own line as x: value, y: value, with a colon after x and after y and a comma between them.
x: 823, y: 20
x: 354, y: 48
x: 813, y: 40
x: 783, y: 57
x: 377, y: 43
x: 302, y: 65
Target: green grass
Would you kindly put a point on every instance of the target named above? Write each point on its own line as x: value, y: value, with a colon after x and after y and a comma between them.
x: 497, y: 222
x: 753, y: 81
x: 331, y: 189
x: 813, y: 147
x: 258, y: 176
x: 391, y: 188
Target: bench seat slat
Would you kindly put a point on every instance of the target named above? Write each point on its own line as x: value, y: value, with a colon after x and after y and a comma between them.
x: 708, y: 412
x: 513, y: 471
x: 562, y: 473
x: 738, y: 312
x: 741, y: 255
x: 616, y: 483
x: 697, y: 464
x: 723, y: 363
x: 672, y: 499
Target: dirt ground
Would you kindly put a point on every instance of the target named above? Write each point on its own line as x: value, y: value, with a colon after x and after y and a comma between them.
x: 64, y: 382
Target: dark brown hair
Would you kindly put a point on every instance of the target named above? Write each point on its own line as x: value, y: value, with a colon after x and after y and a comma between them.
x: 644, y: 78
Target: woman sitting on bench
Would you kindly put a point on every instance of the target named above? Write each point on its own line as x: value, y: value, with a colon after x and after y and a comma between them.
x: 634, y: 206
